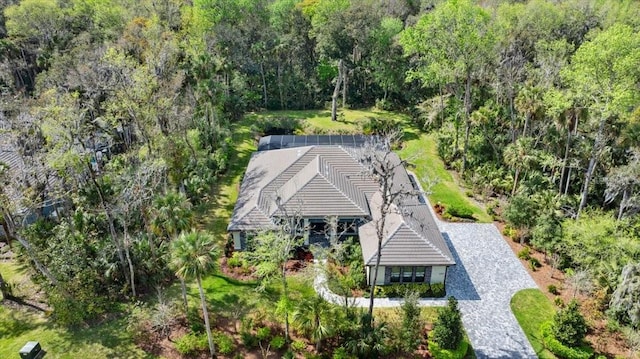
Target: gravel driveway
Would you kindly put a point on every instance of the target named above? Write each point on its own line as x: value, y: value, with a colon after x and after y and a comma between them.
x: 486, y: 276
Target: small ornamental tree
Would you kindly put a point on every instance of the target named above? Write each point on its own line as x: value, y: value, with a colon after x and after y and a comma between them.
x: 569, y: 326
x: 447, y: 330
x: 411, y: 323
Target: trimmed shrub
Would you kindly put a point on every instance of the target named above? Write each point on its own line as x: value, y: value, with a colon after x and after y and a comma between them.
x: 236, y: 260
x: 379, y: 126
x: 525, y: 253
x: 438, y: 290
x: 298, y: 346
x: 263, y: 333
x: 447, y: 330
x: 224, y: 343
x: 557, y: 348
x: 569, y: 326
x: 191, y: 343
x: 553, y: 289
x: 459, y: 212
x: 534, y: 263
x: 277, y: 342
x: 249, y: 340
x: 459, y: 353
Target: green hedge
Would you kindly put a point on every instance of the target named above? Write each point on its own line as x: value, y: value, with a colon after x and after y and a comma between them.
x: 399, y: 290
x: 559, y: 349
x: 439, y: 353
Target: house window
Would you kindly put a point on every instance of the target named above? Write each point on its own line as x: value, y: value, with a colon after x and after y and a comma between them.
x: 407, y: 274
x: 419, y: 278
x: 395, y: 275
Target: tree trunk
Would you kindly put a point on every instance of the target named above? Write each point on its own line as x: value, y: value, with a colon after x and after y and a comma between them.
x: 515, y: 181
x: 279, y: 71
x: 285, y: 292
x: 441, y: 106
x: 623, y: 203
x: 526, y: 125
x: 384, y: 210
x: 264, y: 85
x: 4, y: 289
x: 512, y: 123
x: 336, y: 92
x: 183, y: 288
x: 205, y: 313
x: 112, y: 228
x: 345, y: 83
x: 592, y: 166
x: 129, y: 262
x: 467, y: 122
x: 565, y: 159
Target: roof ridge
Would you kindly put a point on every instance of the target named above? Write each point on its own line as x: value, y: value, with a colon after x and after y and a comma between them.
x: 384, y: 242
x: 429, y: 243
x: 259, y: 202
x: 301, y: 174
x: 338, y: 188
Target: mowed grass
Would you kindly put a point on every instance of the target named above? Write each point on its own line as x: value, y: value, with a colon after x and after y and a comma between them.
x: 532, y: 308
x: 422, y: 153
x: 19, y: 325
x: 107, y: 340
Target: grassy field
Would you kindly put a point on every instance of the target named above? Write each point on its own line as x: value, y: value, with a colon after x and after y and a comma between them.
x: 532, y: 308
x: 106, y: 340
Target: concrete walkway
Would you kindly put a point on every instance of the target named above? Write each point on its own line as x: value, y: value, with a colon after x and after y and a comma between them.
x: 486, y: 276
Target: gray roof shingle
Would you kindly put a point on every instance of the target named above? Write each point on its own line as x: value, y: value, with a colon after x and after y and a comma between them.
x: 323, y: 180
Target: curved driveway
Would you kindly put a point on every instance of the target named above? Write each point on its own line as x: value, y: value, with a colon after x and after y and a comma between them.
x: 486, y: 276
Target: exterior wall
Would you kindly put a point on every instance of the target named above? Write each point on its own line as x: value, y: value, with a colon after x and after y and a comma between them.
x: 237, y: 243
x: 438, y: 274
x: 380, y: 278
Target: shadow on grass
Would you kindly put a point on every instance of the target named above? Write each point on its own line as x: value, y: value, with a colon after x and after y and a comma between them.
x: 13, y: 325
x: 111, y: 334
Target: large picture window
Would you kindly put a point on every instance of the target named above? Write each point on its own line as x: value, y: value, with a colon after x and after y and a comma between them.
x: 395, y: 275
x: 419, y: 278
x: 407, y: 274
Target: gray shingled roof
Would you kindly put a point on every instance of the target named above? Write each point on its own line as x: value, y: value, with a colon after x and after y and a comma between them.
x: 324, y: 180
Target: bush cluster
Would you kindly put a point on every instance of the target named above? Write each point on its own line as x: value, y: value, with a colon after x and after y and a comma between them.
x: 569, y: 326
x: 379, y: 126
x: 458, y: 212
x: 191, y: 343
x: 447, y: 330
x: 399, y: 290
x: 557, y: 348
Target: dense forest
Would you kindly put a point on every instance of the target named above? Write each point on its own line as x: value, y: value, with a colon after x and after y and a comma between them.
x: 120, y: 115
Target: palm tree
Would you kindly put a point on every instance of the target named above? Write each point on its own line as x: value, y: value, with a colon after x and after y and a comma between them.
x: 193, y: 255
x: 171, y: 215
x: 311, y: 316
x: 519, y: 156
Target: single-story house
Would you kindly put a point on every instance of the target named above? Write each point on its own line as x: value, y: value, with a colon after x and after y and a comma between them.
x: 317, y: 179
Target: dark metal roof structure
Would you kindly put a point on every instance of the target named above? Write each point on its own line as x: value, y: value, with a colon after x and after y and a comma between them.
x: 276, y: 142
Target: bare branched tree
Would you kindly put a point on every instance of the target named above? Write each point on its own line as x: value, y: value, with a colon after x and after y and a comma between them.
x: 382, y: 165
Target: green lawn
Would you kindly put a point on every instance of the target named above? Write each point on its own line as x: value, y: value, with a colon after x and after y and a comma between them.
x: 107, y: 340
x: 422, y: 153
x: 532, y: 308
